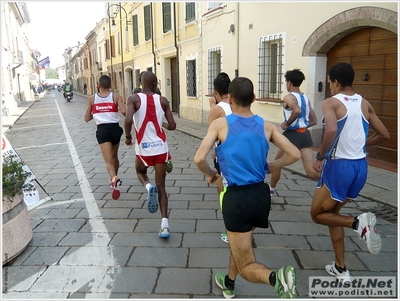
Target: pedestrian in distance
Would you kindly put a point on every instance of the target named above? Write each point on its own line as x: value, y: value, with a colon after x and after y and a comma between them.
x: 343, y: 165
x: 103, y: 108
x: 146, y: 110
x: 221, y: 109
x: 85, y: 88
x: 245, y: 201
x: 298, y: 117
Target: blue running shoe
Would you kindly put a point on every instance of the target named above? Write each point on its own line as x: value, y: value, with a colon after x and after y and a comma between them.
x: 153, y: 199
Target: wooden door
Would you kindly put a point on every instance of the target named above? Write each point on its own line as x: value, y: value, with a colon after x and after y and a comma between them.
x: 373, y: 54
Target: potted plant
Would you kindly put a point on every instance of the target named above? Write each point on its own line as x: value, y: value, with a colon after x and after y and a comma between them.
x: 17, y: 229
x: 37, y: 97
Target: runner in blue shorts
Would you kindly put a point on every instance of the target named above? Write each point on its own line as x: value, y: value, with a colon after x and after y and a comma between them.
x: 343, y: 166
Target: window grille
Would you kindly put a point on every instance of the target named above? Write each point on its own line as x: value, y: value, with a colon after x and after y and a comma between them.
x: 147, y: 23
x: 166, y: 12
x: 190, y: 11
x: 191, y: 89
x: 270, y: 66
x: 214, y: 66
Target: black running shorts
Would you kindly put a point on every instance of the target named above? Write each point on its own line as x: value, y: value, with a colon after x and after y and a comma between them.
x: 245, y: 207
x: 109, y: 132
x: 300, y: 140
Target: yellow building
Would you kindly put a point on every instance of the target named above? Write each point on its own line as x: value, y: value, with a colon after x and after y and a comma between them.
x: 186, y: 44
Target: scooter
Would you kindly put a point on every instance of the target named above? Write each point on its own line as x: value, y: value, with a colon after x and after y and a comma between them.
x: 68, y: 96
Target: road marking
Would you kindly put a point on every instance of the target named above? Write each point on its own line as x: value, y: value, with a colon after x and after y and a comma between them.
x: 35, y: 126
x: 96, y: 222
x: 43, y: 145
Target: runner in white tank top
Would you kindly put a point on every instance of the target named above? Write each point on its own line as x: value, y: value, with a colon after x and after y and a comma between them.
x: 147, y: 110
x: 103, y: 108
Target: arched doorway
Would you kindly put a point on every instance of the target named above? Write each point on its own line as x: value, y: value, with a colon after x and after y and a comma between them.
x: 373, y: 54
x: 375, y: 30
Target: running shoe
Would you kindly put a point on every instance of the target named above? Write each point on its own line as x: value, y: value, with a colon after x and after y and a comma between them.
x: 224, y: 237
x: 152, y: 199
x: 272, y: 192
x: 170, y: 166
x: 367, y: 232
x: 220, y: 281
x: 285, y: 285
x: 115, y: 193
x: 342, y: 276
x: 163, y: 233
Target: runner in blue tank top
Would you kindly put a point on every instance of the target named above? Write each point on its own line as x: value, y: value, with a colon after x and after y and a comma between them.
x: 343, y: 167
x: 245, y: 200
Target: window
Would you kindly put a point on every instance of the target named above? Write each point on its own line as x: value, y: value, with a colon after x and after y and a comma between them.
x: 190, y: 11
x: 214, y: 67
x: 112, y: 46
x: 107, y: 47
x: 191, y: 89
x: 137, y: 77
x: 212, y: 5
x: 270, y: 66
x: 166, y: 13
x: 147, y: 23
x: 135, y: 30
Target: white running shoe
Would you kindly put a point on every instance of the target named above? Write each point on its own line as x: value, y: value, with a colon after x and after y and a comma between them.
x: 343, y: 276
x: 367, y: 232
x: 164, y: 233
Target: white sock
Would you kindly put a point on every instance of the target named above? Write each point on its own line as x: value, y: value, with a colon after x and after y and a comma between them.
x: 271, y: 188
x: 164, y: 223
x: 148, y: 185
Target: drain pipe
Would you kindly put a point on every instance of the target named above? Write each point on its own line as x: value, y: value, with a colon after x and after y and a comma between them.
x: 178, y: 101
x: 152, y: 39
x: 237, y: 40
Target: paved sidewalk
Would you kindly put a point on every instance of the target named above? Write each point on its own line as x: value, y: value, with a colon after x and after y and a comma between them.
x: 87, y: 245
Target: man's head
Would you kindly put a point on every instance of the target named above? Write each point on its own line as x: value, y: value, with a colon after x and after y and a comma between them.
x: 149, y: 81
x: 221, y: 83
x: 242, y: 91
x: 343, y: 73
x: 294, y: 76
x: 105, y: 82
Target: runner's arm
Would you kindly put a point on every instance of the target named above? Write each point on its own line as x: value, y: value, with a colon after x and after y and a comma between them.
x: 88, y: 114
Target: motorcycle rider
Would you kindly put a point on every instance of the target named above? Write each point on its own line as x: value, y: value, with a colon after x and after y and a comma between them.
x: 68, y: 88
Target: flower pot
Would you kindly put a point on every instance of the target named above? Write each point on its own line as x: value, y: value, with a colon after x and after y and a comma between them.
x: 17, y: 229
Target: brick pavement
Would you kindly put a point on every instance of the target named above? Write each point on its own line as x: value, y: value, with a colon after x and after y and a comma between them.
x: 86, y: 245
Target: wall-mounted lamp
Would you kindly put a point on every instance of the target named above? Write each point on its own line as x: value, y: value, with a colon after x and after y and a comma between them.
x: 231, y: 28
x: 113, y: 26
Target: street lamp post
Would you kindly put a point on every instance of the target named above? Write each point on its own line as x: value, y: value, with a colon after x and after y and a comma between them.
x: 113, y: 26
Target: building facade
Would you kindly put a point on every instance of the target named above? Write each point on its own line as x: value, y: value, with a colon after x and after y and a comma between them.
x: 186, y: 44
x: 19, y: 70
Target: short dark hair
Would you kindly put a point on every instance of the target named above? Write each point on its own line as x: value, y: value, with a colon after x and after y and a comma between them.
x: 105, y: 81
x: 295, y: 76
x: 343, y: 73
x: 221, y: 83
x: 242, y: 91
